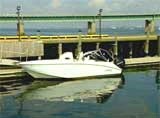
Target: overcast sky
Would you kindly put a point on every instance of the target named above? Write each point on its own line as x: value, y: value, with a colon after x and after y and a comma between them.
x: 80, y: 7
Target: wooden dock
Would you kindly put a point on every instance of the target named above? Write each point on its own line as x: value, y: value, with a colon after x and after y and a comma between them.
x: 76, y: 38
x: 8, y: 62
x: 145, y: 61
x: 6, y: 73
x: 9, y: 68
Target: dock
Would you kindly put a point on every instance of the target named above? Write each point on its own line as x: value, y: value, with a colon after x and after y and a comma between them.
x: 8, y: 62
x: 10, y: 68
x: 7, y: 73
x: 145, y: 61
x: 27, y: 46
x: 76, y: 38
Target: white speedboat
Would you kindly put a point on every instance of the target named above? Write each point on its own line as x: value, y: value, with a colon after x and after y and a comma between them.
x: 93, y: 63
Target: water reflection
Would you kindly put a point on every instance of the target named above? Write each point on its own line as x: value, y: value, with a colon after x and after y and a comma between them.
x: 44, y: 93
x: 158, y: 79
x: 138, y: 98
x: 13, y: 85
x: 158, y: 92
x: 101, y: 98
x: 97, y: 90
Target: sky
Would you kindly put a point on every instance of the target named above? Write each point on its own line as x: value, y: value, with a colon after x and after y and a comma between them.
x: 79, y: 7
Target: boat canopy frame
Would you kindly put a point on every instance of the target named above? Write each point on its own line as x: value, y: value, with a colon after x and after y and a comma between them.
x: 99, y: 54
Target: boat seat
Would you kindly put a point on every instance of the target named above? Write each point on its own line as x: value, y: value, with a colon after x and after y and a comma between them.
x: 67, y: 56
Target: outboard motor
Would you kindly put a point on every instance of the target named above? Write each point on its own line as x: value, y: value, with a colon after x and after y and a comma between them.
x: 120, y: 62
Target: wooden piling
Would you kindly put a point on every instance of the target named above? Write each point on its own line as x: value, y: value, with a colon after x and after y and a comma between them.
x: 1, y: 52
x: 158, y: 46
x: 59, y: 49
x: 149, y: 26
x: 79, y: 48
x: 97, y: 46
x: 146, y: 47
x: 130, y: 50
x: 91, y: 27
x: 79, y: 45
x: 115, y: 48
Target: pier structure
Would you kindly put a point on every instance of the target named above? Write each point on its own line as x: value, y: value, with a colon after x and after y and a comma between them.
x: 31, y: 45
x: 91, y: 27
x: 149, y: 26
x: 120, y: 45
x: 158, y: 46
x: 20, y: 24
x: 148, y: 18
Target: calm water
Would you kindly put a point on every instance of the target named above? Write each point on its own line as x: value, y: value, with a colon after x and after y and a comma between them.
x: 62, y: 31
x: 137, y: 97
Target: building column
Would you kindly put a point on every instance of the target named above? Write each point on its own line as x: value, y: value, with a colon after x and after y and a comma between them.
x: 149, y: 27
x: 20, y: 28
x: 91, y: 27
x: 59, y: 49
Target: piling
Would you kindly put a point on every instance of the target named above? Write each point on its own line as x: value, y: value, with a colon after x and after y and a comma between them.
x: 79, y: 45
x: 146, y: 47
x: 1, y: 52
x: 20, y: 28
x: 149, y: 26
x: 97, y: 46
x: 91, y: 27
x: 59, y: 49
x: 130, y: 50
x: 79, y: 48
x: 115, y: 47
x: 158, y: 46
x: 38, y: 34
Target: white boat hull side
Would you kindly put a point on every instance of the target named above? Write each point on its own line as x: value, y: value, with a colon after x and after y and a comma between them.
x: 71, y: 70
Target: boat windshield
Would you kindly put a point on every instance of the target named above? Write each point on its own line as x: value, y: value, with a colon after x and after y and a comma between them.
x: 98, y: 55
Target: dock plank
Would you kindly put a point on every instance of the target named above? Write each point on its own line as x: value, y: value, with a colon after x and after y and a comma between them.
x: 142, y: 61
x: 8, y: 62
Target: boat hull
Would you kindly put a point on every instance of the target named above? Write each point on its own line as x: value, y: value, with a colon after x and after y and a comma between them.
x: 71, y: 69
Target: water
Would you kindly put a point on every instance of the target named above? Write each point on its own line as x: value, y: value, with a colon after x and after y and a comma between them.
x: 63, y: 31
x: 137, y: 97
